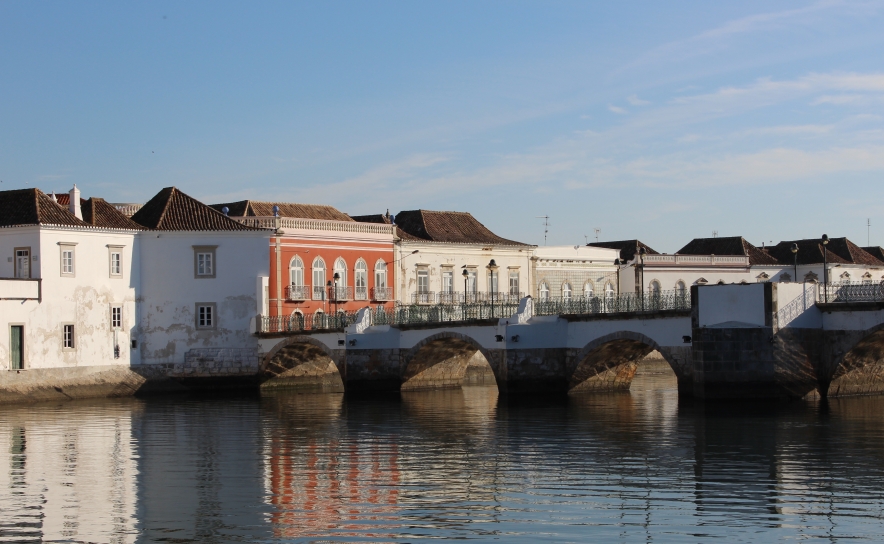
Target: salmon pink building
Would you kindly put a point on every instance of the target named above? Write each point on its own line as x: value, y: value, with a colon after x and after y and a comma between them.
x: 321, y: 260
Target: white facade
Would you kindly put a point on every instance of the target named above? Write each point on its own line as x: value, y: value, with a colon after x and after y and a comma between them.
x: 678, y: 272
x: 432, y: 272
x: 574, y: 271
x: 85, y: 280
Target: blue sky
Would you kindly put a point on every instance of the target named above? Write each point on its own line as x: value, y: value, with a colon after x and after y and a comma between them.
x: 662, y: 121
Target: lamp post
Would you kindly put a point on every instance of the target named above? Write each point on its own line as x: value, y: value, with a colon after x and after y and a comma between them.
x: 825, y: 242
x: 466, y: 276
x: 795, y: 253
x: 491, y: 267
x: 336, y: 277
x: 641, y: 290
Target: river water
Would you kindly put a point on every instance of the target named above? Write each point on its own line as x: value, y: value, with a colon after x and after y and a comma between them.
x: 629, y: 467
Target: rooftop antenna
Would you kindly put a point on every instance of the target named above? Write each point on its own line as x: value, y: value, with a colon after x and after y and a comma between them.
x: 597, y: 232
x: 715, y: 234
x: 545, y: 226
x: 868, y: 231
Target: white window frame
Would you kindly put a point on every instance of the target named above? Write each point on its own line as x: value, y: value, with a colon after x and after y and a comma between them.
x: 206, y: 315
x: 448, y: 280
x: 340, y: 269
x: 380, y: 274
x: 118, y: 251
x: 543, y: 291
x: 116, y: 316
x: 513, y: 285
x: 360, y: 279
x: 67, y: 248
x: 68, y: 337
x: 588, y: 289
x: 17, y: 259
x: 205, y: 255
x: 318, y: 273
x: 296, y: 271
x: 423, y: 272
x: 567, y: 291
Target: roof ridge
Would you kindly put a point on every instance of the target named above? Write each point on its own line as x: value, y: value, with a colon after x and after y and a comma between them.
x: 172, y: 191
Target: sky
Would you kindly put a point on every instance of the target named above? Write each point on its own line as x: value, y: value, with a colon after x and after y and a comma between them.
x: 663, y: 121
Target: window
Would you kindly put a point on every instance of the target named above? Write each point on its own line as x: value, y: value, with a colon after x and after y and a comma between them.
x: 493, y: 277
x: 319, y: 321
x: 341, y: 271
x: 566, y: 291
x: 318, y: 279
x: 423, y: 280
x: 206, y: 317
x: 116, y: 317
x: 654, y: 287
x: 360, y: 280
x: 587, y: 290
x: 472, y: 284
x: 680, y: 288
x: 543, y: 291
x: 67, y: 258
x: 447, y: 281
x: 115, y: 259
x: 514, y: 282
x: 17, y: 347
x: 609, y: 291
x: 22, y: 262
x: 67, y: 332
x: 205, y: 264
x: 296, y: 272
x: 380, y: 274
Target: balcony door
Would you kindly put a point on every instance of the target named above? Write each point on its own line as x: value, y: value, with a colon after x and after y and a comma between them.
x: 17, y: 347
x: 23, y: 263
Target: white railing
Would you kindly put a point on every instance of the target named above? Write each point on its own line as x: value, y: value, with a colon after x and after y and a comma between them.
x: 19, y: 289
x: 295, y: 223
x: 731, y: 260
x: 797, y: 306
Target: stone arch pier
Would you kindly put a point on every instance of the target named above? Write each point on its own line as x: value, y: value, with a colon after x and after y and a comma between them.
x: 302, y: 363
x: 446, y: 360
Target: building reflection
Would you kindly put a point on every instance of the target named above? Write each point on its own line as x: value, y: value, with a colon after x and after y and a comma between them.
x: 71, y: 473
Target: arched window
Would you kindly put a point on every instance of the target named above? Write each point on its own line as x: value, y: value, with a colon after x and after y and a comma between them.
x: 566, y: 291
x: 341, y: 271
x: 654, y: 287
x: 318, y: 279
x: 680, y: 287
x: 319, y: 320
x: 360, y: 280
x: 296, y: 272
x: 543, y: 291
x: 609, y: 290
x: 380, y: 274
x: 587, y: 289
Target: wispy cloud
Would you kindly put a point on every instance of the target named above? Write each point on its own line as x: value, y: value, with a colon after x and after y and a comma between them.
x: 617, y: 109
x: 636, y: 101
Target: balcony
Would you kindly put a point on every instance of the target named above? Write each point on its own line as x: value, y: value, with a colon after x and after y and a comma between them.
x: 338, y: 294
x: 361, y: 293
x: 428, y: 297
x: 318, y: 292
x: 297, y: 292
x: 382, y: 294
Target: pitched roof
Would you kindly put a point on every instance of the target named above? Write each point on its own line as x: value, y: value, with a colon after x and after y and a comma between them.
x: 170, y: 209
x: 384, y: 219
x: 450, y: 227
x: 840, y: 251
x: 875, y: 251
x: 628, y: 248
x: 99, y: 213
x: 257, y: 208
x: 729, y: 245
x: 33, y: 207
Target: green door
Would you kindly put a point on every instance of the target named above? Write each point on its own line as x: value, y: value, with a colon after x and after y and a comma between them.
x: 16, y: 343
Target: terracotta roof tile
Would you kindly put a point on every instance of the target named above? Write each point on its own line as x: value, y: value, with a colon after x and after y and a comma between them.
x: 170, y: 209
x: 254, y: 208
x: 840, y: 251
x: 450, y: 227
x: 99, y: 213
x: 875, y: 251
x: 628, y: 248
x: 729, y: 245
x: 33, y: 207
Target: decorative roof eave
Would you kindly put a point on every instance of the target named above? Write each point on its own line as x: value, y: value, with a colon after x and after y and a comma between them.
x: 476, y: 244
x: 73, y: 227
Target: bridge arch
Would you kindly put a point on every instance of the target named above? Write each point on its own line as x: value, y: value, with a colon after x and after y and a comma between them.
x: 302, y: 363
x: 446, y: 360
x: 609, y: 362
x: 860, y: 371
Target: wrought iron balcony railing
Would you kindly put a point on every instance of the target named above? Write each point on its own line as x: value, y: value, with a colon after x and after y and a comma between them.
x: 625, y: 302
x: 428, y: 297
x: 340, y: 293
x: 319, y: 292
x: 852, y: 292
x: 297, y: 292
x: 361, y: 293
x: 382, y: 294
x: 298, y: 322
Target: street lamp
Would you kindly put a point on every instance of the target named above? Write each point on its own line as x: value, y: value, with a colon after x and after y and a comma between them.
x: 641, y: 288
x: 336, y: 277
x: 825, y: 242
x: 491, y: 267
x: 795, y: 253
x: 466, y: 276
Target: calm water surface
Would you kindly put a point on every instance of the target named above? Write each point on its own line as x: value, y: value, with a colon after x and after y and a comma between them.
x: 456, y: 464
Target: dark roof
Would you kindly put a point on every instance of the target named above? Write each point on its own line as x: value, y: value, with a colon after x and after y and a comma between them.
x: 875, y: 251
x: 729, y: 245
x: 97, y: 212
x: 451, y: 227
x: 33, y: 207
x: 253, y: 208
x: 384, y: 219
x: 628, y: 248
x: 170, y: 209
x: 840, y: 251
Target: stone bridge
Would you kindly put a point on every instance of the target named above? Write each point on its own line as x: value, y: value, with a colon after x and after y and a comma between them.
x: 521, y: 353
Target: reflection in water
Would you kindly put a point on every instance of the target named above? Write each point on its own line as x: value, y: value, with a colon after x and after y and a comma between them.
x: 631, y: 466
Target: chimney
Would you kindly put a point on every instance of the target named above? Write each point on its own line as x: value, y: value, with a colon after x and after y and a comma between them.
x: 74, y: 204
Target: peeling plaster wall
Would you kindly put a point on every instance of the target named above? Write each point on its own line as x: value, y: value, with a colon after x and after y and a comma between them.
x: 170, y: 292
x: 83, y: 299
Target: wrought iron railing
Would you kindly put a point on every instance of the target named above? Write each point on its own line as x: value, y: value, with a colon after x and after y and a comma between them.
x: 853, y: 292
x: 319, y: 292
x: 297, y: 292
x: 428, y: 297
x: 340, y: 293
x: 299, y: 322
x: 382, y: 294
x: 361, y: 293
x: 625, y: 302
x: 797, y: 306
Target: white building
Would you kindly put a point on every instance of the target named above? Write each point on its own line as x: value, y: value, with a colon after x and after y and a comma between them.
x: 572, y: 272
